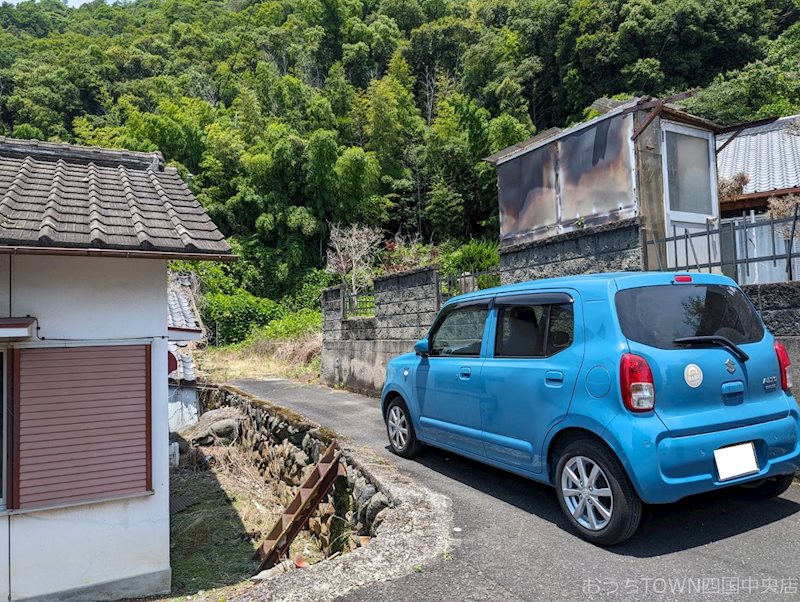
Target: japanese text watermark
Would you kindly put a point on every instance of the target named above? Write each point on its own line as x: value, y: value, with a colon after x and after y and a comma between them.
x: 723, y: 586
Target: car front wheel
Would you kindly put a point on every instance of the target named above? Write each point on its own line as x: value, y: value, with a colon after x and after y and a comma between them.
x: 596, y: 494
x: 400, y: 429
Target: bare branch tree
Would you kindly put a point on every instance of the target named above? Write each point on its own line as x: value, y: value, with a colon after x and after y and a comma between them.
x: 351, y: 251
x: 430, y: 93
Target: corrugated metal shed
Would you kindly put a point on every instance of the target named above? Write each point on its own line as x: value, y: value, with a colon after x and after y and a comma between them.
x: 769, y: 155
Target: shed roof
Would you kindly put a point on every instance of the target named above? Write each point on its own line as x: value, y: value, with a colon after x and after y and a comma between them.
x: 608, y: 108
x: 769, y: 154
x: 65, y: 198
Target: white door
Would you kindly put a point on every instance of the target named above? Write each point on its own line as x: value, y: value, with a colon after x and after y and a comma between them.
x: 690, y: 195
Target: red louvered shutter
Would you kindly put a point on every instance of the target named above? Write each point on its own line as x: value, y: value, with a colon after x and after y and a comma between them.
x: 81, y: 424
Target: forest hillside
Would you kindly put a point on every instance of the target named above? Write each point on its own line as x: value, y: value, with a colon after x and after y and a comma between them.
x: 288, y: 116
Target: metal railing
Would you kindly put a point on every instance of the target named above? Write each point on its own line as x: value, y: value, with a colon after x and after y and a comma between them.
x: 750, y: 249
x: 451, y: 285
x: 361, y: 304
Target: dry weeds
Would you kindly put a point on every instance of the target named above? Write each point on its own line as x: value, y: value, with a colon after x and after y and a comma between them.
x: 294, y: 359
x: 212, y: 542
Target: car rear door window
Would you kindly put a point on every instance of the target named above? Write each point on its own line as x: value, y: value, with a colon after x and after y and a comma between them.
x: 459, y: 332
x: 658, y: 315
x: 534, y: 330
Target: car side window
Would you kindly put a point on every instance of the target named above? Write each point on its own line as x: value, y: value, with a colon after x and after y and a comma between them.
x: 561, y: 328
x: 534, y: 330
x: 460, y: 333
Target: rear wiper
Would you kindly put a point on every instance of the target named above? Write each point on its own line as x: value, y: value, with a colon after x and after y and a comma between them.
x: 714, y: 340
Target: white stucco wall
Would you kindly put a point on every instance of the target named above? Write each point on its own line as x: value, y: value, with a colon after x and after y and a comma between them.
x: 4, y: 581
x: 101, y: 301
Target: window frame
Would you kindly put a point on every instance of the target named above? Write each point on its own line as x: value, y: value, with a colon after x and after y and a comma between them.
x: 5, y: 448
x: 448, y: 310
x: 530, y: 300
x: 673, y: 216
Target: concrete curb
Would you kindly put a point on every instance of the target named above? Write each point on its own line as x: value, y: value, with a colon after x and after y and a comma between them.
x: 414, y: 532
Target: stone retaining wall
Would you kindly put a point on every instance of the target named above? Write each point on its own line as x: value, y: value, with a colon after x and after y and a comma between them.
x: 285, y: 448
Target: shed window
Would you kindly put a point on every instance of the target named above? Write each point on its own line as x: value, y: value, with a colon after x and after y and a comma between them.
x: 688, y: 156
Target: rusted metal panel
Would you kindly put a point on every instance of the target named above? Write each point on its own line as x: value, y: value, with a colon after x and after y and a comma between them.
x: 595, y: 172
x: 528, y: 193
x: 580, y: 179
x: 82, y: 426
x: 300, y: 509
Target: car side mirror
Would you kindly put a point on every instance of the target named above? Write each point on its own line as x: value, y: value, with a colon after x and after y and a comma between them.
x: 421, y: 347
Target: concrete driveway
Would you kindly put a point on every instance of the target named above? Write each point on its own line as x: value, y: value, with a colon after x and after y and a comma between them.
x: 511, y: 542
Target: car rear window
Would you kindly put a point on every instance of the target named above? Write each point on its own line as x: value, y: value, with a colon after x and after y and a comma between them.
x: 657, y: 315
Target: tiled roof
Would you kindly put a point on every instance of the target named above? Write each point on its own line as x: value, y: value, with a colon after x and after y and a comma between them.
x: 185, y: 370
x: 768, y: 154
x: 181, y: 308
x: 59, y: 195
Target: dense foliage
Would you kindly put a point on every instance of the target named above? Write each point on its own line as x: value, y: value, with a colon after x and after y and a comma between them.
x: 288, y: 115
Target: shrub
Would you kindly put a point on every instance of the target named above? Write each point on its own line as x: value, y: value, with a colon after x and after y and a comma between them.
x: 475, y: 256
x: 292, y: 325
x: 232, y: 317
x: 309, y: 291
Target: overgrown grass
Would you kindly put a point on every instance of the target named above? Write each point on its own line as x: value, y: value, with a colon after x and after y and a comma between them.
x: 213, y: 541
x: 261, y: 357
x: 209, y: 548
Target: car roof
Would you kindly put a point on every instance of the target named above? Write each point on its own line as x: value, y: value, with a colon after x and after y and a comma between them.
x: 594, y: 282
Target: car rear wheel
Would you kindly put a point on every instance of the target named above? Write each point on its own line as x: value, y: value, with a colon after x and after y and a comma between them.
x: 765, y: 489
x: 400, y: 429
x: 596, y: 494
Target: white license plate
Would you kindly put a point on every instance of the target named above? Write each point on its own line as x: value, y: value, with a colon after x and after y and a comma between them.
x: 736, y: 461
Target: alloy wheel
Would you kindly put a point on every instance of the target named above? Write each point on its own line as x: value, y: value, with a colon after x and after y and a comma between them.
x: 398, y: 427
x: 587, y: 493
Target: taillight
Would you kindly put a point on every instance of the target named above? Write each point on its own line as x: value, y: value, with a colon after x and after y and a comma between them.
x: 636, y: 382
x: 783, y: 364
x: 683, y: 278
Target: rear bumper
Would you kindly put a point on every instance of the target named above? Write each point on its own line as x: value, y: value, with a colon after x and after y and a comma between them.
x: 665, y: 469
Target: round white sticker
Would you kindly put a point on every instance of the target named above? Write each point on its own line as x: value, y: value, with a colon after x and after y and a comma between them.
x: 693, y: 375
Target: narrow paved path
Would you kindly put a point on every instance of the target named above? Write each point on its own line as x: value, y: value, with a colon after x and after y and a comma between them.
x: 512, y: 544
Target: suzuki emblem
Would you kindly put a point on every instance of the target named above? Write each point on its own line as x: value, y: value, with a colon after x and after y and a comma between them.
x: 730, y: 366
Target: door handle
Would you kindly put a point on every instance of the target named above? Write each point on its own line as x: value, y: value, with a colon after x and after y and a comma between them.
x: 464, y: 373
x: 554, y: 378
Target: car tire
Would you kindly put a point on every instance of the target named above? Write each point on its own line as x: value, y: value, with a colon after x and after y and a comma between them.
x: 400, y: 429
x: 765, y: 489
x: 601, y: 505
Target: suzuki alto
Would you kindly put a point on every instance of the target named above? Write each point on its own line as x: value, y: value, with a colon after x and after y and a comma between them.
x: 616, y: 389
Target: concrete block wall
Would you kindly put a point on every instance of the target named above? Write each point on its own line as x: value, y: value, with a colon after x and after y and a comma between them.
x: 606, y: 248
x: 779, y: 306
x: 355, y: 350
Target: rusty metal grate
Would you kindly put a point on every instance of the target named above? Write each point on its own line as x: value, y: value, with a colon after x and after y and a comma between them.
x: 297, y: 513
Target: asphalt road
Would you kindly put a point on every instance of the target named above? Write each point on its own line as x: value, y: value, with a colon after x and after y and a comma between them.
x: 511, y: 542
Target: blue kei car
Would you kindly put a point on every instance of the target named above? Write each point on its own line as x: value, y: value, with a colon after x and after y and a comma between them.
x: 617, y: 389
